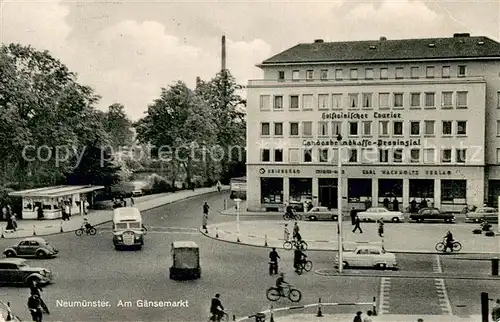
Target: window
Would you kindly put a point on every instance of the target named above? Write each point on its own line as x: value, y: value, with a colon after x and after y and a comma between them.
x: 429, y: 127
x: 293, y: 155
x: 323, y: 155
x: 278, y: 102
x: 498, y: 99
x: 278, y: 129
x: 353, y: 128
x: 278, y: 155
x: 307, y: 101
x: 367, y: 127
x: 399, y: 72
x: 383, y: 155
x: 446, y: 99
x: 398, y: 99
x: 309, y: 75
x: 323, y: 128
x: 324, y: 74
x: 336, y: 128
x: 383, y: 73
x: 498, y: 128
x: 414, y: 72
x: 429, y: 156
x: 398, y: 128
x: 461, y: 127
x: 265, y: 155
x: 307, y: 155
x: 414, y: 155
x: 339, y: 74
x: 461, y: 155
x: 295, y: 75
x: 265, y: 102
x: 323, y: 101
x: 294, y: 102
x: 429, y: 72
x: 430, y: 100
x: 446, y: 156
x: 415, y: 100
x: 294, y: 129
x: 281, y: 75
x: 462, y: 99
x: 353, y: 155
x: 368, y: 73
x: 383, y: 128
x: 353, y: 100
x: 397, y: 155
x: 414, y: 128
x: 367, y: 100
x: 264, y: 129
x: 354, y: 73
x: 337, y: 101
x: 498, y: 155
x: 462, y: 70
x: 307, y: 128
x: 447, y: 128
x: 383, y: 100
x: 445, y: 72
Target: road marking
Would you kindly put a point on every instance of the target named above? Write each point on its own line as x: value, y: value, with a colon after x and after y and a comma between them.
x: 383, y: 302
x: 444, y: 301
x: 437, y: 265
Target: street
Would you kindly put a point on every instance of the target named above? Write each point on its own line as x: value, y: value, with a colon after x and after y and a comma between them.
x: 89, y: 269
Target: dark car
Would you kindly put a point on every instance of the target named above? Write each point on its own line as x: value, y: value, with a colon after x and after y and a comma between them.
x: 31, y: 247
x: 16, y: 271
x: 432, y: 214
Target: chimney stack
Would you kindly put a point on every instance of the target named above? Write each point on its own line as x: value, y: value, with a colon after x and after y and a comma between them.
x: 223, y: 56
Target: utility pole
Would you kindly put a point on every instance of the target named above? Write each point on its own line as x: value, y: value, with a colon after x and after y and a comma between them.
x: 339, y: 202
x: 484, y: 307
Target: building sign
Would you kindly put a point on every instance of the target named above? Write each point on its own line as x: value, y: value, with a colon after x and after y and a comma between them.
x: 279, y: 171
x: 406, y: 172
x: 328, y: 171
x: 358, y: 116
x: 363, y: 142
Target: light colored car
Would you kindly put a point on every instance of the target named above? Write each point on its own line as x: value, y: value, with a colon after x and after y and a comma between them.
x: 30, y: 247
x: 368, y: 256
x: 321, y: 213
x: 137, y: 193
x: 16, y: 271
x: 488, y: 213
x: 376, y: 213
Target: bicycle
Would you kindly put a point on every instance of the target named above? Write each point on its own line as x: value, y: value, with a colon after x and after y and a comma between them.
x: 292, y: 216
x: 304, y: 266
x: 223, y: 318
x: 274, y: 293
x: 441, y: 246
x: 89, y: 231
x: 288, y: 245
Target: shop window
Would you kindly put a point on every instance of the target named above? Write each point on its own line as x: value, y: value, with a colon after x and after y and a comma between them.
x: 353, y: 100
x: 415, y: 155
x: 278, y: 129
x: 415, y: 100
x: 429, y: 72
x: 323, y: 155
x: 278, y: 155
x: 307, y: 101
x: 421, y: 189
x: 367, y: 100
x: 414, y: 128
x: 264, y: 129
x: 339, y: 74
x: 307, y: 155
x: 462, y: 99
x: 415, y: 72
x: 383, y: 128
x: 323, y: 128
x: 281, y: 75
x: 384, y: 73
x: 429, y: 127
x: 307, y: 128
x: 294, y: 129
x: 323, y: 101
x: 265, y: 102
x: 295, y: 75
x: 368, y: 73
x: 324, y: 74
x: 383, y: 100
x: 359, y: 190
x: 353, y: 128
x: 447, y: 99
x: 398, y: 128
x: 430, y: 99
x: 461, y: 127
x: 388, y: 189
x: 400, y: 72
x: 310, y: 75
x: 265, y: 155
x: 447, y: 126
x: 383, y: 155
x: 271, y: 190
x: 445, y: 72
x: 461, y: 155
x: 397, y: 156
x: 337, y: 101
x: 300, y: 190
x: 278, y: 102
x: 453, y: 191
x: 446, y: 155
x: 294, y: 102
x: 353, y: 155
x: 430, y: 156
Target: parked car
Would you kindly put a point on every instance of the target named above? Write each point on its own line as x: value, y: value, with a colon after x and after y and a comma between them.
x: 30, y: 247
x: 321, y: 213
x: 368, y: 256
x: 490, y: 214
x: 376, y: 213
x: 432, y: 214
x: 137, y: 193
x: 16, y: 271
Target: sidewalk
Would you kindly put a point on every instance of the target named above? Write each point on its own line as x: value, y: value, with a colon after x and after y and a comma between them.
x: 398, y: 237
x: 27, y: 228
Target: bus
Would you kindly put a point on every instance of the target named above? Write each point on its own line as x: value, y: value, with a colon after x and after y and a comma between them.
x: 238, y: 188
x: 128, y: 230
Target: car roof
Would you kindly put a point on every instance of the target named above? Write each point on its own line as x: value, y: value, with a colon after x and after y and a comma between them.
x: 184, y: 244
x: 126, y: 213
x: 37, y: 239
x: 13, y: 260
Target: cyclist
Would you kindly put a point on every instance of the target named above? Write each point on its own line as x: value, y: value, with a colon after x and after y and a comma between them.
x: 281, y: 283
x: 449, y: 241
x: 296, y: 234
x: 86, y: 225
x: 299, y: 258
x: 216, y: 308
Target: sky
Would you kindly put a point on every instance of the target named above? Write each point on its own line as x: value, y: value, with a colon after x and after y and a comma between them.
x: 128, y: 50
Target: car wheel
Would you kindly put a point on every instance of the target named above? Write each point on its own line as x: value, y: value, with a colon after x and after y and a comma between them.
x: 313, y: 218
x: 345, y: 264
x: 335, y: 218
x: 395, y: 219
x: 381, y: 266
x: 9, y: 253
x: 41, y: 254
x: 420, y: 219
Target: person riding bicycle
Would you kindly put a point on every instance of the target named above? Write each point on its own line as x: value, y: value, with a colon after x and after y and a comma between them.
x: 86, y: 225
x: 449, y: 241
x: 35, y: 307
x: 289, y: 210
x: 281, y: 283
x: 299, y: 258
x: 216, y: 308
x: 296, y: 235
x: 35, y: 290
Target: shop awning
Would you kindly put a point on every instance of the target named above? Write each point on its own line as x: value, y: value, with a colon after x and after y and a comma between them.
x: 55, y: 191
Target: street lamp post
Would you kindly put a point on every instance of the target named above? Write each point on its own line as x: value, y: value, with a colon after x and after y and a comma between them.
x: 339, y: 202
x: 238, y: 200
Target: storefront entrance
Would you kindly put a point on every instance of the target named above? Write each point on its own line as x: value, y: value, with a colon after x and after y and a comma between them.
x: 421, y: 194
x: 328, y: 192
x: 493, y: 193
x: 359, y: 193
x: 300, y: 192
x: 453, y: 195
x: 390, y: 193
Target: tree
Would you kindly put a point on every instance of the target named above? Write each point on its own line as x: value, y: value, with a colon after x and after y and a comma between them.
x: 118, y: 126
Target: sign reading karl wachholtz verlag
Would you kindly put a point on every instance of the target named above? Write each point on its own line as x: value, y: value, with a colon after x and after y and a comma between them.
x: 410, y: 172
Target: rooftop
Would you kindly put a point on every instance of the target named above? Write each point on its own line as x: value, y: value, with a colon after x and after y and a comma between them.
x: 459, y: 46
x: 55, y: 191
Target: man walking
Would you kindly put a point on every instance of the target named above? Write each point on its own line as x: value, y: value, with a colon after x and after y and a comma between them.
x: 353, y: 216
x: 357, y: 221
x: 206, y: 207
x: 273, y: 262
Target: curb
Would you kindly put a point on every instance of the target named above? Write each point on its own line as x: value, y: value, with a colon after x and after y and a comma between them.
x: 427, y: 276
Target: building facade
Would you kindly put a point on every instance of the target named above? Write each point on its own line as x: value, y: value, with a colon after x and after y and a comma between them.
x: 418, y: 119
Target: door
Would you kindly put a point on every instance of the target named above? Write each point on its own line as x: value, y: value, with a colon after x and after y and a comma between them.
x: 328, y: 197
x: 24, y: 248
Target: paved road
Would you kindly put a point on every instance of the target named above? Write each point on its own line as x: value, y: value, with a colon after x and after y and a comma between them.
x: 90, y: 269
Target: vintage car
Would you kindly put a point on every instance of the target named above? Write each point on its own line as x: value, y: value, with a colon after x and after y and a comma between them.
x: 30, y: 247
x: 377, y: 213
x: 487, y: 213
x: 16, y: 271
x: 186, y: 260
x: 368, y: 256
x: 321, y: 213
x: 128, y: 230
x: 432, y: 214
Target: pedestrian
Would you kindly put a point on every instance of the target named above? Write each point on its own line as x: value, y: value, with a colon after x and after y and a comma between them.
x: 132, y: 202
x: 37, y: 291
x: 10, y: 224
x: 368, y: 203
x: 273, y: 262
x: 35, y: 307
x: 353, y: 216
x: 219, y: 186
x: 395, y: 204
x: 380, y: 227
x: 86, y: 206
x: 357, y: 221
x: 368, y: 318
x: 357, y: 318
x: 67, y: 210
x: 296, y: 234
x: 14, y: 221
x: 495, y: 312
x: 206, y: 207
x: 286, y: 232
x: 386, y: 203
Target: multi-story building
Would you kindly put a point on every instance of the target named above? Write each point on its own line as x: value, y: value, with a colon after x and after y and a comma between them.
x: 419, y: 120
